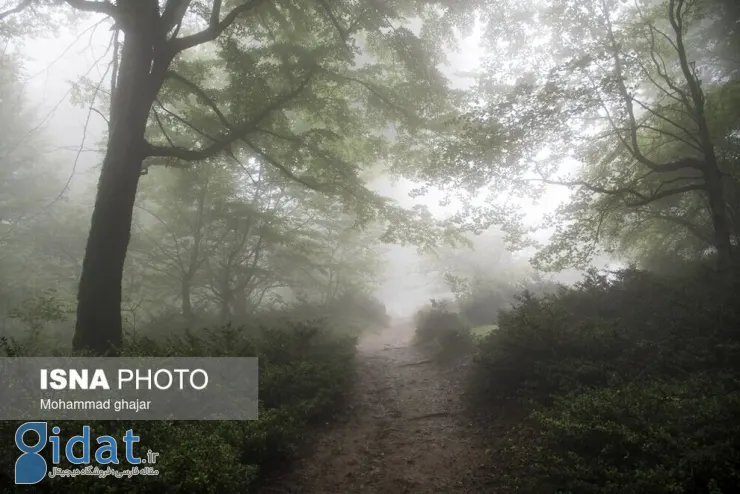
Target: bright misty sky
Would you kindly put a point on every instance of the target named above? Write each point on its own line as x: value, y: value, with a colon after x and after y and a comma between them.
x: 53, y: 63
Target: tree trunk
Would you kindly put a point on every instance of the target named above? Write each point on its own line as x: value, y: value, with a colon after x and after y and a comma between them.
x: 187, y: 307
x: 98, y: 327
x: 240, y: 305
x: 225, y: 311
x: 718, y: 211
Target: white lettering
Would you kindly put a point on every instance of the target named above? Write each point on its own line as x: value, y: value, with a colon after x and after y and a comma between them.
x: 192, y: 379
x: 169, y: 383
x: 59, y: 379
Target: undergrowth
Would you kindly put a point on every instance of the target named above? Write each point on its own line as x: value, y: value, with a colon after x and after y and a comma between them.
x: 632, y: 382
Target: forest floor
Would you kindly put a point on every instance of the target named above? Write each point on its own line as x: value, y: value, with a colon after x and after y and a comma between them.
x: 406, y: 429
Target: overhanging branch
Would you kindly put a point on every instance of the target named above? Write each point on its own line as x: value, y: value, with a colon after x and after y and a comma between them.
x: 198, y: 91
x: 335, y: 22
x: 666, y: 193
x: 279, y: 166
x: 234, y: 134
x: 642, y: 199
x: 679, y: 164
x: 378, y: 94
x: 105, y: 8
x: 215, y: 27
x: 688, y: 225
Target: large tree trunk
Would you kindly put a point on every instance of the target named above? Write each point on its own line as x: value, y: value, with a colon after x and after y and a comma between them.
x: 98, y: 327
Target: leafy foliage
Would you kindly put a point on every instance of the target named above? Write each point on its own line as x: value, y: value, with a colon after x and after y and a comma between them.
x: 441, y: 325
x: 634, y: 382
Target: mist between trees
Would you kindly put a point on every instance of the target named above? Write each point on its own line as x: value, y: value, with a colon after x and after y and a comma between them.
x: 236, y: 213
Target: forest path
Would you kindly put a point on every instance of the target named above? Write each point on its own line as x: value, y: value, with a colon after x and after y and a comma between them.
x: 406, y: 430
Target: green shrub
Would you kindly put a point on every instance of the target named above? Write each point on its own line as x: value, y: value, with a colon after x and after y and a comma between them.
x: 657, y: 437
x: 609, y: 331
x: 480, y: 332
x: 633, y: 382
x: 439, y: 324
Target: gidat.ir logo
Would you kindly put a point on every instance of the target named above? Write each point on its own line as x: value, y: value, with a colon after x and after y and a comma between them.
x: 32, y: 437
x: 31, y: 467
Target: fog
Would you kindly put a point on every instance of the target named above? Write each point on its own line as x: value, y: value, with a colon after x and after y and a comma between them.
x: 53, y: 66
x: 414, y: 246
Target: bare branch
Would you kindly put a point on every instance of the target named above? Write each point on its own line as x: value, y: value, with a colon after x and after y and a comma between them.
x: 676, y: 19
x: 215, y: 27
x: 95, y: 110
x: 105, y: 7
x: 661, y: 67
x: 634, y: 148
x: 670, y: 166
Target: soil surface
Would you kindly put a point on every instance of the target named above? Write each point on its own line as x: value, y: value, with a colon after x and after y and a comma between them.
x: 406, y: 430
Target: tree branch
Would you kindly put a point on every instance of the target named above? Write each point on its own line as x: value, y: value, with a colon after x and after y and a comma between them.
x: 335, y: 22
x: 184, y: 121
x: 697, y: 95
x: 643, y: 199
x: 691, y: 227
x: 215, y: 27
x: 173, y: 13
x: 234, y: 134
x: 372, y: 89
x: 194, y: 88
x: 691, y: 143
x: 161, y: 127
x: 660, y: 64
x: 657, y: 114
x: 634, y: 148
x: 105, y: 7
x: 279, y: 166
x: 101, y: 115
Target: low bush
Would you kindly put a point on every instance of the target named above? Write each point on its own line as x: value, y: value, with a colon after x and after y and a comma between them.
x: 480, y: 332
x: 305, y: 374
x: 655, y: 436
x: 633, y: 382
x: 441, y: 325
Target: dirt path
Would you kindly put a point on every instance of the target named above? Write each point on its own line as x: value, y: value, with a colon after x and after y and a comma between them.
x: 406, y: 431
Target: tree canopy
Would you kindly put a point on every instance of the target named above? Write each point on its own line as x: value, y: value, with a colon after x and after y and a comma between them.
x: 242, y: 134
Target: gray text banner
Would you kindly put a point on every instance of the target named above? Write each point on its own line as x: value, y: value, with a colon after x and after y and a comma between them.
x: 128, y: 388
